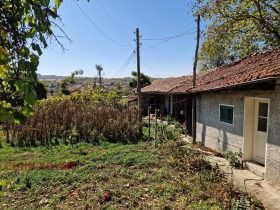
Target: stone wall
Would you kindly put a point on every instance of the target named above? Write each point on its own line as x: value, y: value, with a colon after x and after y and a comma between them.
x: 213, y: 133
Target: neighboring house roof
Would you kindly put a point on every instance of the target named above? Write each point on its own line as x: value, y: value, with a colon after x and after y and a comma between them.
x: 257, y: 67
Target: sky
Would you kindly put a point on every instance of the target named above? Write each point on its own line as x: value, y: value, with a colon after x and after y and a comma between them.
x: 103, y: 32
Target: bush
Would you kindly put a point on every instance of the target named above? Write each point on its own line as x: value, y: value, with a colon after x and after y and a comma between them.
x: 164, y: 131
x: 234, y: 158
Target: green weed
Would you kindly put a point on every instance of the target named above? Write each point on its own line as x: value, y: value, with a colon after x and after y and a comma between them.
x: 234, y: 158
x: 134, y: 176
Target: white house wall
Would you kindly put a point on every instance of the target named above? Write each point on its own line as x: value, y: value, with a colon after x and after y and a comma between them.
x: 221, y: 136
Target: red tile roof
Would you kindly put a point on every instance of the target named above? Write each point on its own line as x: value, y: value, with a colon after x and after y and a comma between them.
x: 253, y: 68
x: 167, y: 85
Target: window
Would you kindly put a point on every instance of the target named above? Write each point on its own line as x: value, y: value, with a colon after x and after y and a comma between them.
x: 226, y: 114
x: 262, y: 117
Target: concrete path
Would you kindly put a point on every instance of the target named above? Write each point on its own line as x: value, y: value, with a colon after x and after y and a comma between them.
x: 263, y: 190
x: 246, y: 180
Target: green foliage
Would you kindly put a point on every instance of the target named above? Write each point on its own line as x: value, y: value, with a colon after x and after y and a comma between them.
x: 25, y: 27
x: 145, y: 80
x: 27, y: 182
x: 242, y: 203
x: 237, y: 29
x: 163, y: 132
x: 3, y: 184
x: 204, y: 206
x: 41, y: 91
x: 234, y: 158
x: 169, y: 119
x: 99, y: 68
x: 212, y: 55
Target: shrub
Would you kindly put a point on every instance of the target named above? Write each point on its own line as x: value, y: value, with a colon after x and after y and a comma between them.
x: 234, y: 158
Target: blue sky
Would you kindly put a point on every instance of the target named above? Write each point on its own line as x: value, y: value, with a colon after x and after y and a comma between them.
x: 155, y: 19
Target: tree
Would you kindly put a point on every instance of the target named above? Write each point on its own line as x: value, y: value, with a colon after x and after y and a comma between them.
x: 25, y: 27
x: 41, y: 91
x: 145, y: 80
x: 239, y: 27
x: 70, y: 80
x: 212, y: 55
x: 99, y: 68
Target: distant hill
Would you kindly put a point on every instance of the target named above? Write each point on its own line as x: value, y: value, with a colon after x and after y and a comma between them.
x: 53, y: 79
x: 49, y: 77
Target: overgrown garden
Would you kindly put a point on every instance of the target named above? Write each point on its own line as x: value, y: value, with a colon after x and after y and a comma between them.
x: 90, y: 116
x: 83, y: 151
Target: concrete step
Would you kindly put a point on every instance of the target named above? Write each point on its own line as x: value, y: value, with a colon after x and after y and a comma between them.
x: 254, y: 167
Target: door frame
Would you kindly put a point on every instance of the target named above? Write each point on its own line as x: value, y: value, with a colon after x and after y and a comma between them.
x: 248, y: 127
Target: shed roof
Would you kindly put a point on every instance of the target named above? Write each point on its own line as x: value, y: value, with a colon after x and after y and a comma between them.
x: 252, y: 68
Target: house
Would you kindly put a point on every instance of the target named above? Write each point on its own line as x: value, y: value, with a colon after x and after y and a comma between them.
x: 238, y: 108
x: 170, y: 98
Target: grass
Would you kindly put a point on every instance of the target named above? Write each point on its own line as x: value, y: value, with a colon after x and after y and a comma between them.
x: 114, y: 176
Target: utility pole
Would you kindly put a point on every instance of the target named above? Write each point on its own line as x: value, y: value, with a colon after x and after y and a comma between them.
x: 139, y: 81
x: 194, y: 81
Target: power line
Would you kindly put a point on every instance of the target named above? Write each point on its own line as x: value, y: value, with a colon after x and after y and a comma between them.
x: 121, y: 70
x: 166, y: 40
x: 103, y: 33
x: 126, y: 64
x: 171, y: 37
x: 149, y: 68
x: 116, y: 25
x: 155, y: 45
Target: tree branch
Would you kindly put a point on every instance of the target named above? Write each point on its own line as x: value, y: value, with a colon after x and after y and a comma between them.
x: 272, y: 8
x: 264, y: 23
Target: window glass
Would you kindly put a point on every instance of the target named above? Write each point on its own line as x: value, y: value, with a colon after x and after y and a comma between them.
x: 263, y: 109
x: 226, y: 114
x: 262, y: 124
